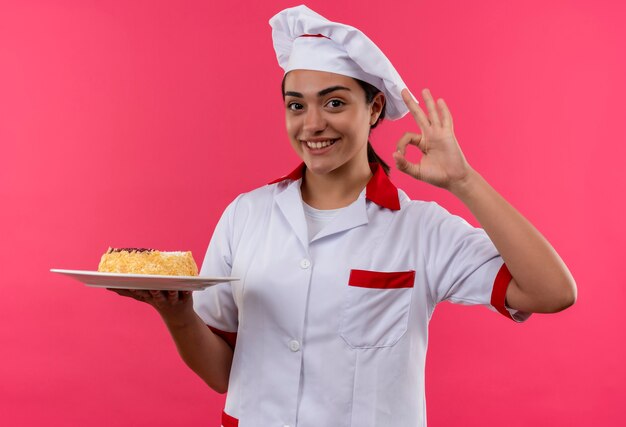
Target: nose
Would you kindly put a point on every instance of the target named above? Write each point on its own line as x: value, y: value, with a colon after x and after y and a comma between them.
x: 314, y: 121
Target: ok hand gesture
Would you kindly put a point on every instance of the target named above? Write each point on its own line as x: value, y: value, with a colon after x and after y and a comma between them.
x: 442, y: 163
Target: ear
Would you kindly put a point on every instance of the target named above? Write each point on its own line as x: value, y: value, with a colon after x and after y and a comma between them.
x: 376, y: 107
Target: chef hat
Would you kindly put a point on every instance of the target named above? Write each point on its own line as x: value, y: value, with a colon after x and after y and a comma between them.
x: 305, y: 40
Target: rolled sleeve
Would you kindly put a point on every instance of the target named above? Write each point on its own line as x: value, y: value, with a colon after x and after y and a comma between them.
x: 216, y: 305
x: 464, y: 266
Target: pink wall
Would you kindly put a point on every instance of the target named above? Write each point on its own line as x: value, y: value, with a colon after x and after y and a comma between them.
x: 135, y: 123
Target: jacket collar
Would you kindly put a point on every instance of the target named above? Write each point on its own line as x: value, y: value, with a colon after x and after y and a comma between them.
x: 379, y: 190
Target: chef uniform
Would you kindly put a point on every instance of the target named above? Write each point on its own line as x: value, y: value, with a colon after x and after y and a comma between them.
x: 329, y: 320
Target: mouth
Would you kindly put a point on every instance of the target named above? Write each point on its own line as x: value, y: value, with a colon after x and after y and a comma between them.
x: 319, y: 145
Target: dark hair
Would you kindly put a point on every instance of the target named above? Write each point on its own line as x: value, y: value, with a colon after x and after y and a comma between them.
x: 370, y: 92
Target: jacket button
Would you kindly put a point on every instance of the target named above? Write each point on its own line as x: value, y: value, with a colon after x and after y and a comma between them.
x: 305, y: 263
x: 294, y: 345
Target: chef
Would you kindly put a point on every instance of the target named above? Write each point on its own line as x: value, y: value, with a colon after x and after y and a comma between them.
x: 340, y: 271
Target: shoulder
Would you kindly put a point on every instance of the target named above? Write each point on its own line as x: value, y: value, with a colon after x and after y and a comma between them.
x: 256, y: 201
x: 253, y: 197
x: 420, y: 209
x: 262, y: 196
x: 429, y: 219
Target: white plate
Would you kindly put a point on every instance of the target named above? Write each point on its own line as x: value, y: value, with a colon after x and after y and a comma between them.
x: 97, y: 279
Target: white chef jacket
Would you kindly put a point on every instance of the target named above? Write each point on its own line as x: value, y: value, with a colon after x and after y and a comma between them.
x: 333, y: 331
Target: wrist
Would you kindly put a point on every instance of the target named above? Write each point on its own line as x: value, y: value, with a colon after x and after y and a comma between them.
x: 179, y: 319
x: 463, y: 188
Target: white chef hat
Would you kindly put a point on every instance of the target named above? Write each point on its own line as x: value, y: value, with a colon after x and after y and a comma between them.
x: 305, y: 40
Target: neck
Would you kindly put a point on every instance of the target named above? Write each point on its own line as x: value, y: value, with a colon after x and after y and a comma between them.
x: 336, y: 189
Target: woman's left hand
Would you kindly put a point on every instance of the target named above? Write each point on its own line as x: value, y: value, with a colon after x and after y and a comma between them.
x: 171, y: 305
x: 443, y: 163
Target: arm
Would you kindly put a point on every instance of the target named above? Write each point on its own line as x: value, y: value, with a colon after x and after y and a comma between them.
x: 541, y: 282
x: 204, y: 352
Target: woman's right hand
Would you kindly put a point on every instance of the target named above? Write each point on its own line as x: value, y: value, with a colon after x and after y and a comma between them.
x: 170, y: 304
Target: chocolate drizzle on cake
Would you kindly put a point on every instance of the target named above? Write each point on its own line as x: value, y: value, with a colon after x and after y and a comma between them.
x: 111, y: 250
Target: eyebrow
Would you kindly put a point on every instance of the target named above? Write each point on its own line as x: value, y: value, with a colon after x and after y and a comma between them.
x: 320, y: 93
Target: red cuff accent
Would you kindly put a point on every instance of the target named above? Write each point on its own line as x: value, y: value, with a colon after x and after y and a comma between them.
x: 228, y: 421
x: 229, y: 337
x: 381, y: 280
x: 314, y: 35
x: 498, y: 294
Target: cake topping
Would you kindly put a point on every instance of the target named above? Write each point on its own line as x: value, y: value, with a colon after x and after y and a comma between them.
x: 147, y: 261
x: 111, y: 250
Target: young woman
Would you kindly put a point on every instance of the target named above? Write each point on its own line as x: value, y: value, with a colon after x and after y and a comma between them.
x: 340, y: 271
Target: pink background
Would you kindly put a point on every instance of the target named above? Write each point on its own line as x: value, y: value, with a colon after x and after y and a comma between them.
x: 134, y: 123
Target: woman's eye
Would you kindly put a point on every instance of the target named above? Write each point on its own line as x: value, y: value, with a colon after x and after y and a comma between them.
x: 335, y: 103
x: 294, y: 106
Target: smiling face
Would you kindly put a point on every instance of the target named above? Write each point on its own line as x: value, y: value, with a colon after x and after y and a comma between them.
x: 328, y: 119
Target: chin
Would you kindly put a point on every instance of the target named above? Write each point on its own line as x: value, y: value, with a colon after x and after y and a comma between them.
x: 320, y: 167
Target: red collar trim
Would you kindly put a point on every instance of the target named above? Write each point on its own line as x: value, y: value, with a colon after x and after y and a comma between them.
x: 379, y: 190
x: 295, y: 175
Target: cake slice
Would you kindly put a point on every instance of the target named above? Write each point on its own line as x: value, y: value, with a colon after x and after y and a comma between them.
x: 148, y: 261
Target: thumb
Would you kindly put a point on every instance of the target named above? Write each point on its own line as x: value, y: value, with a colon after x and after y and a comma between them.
x: 404, y: 165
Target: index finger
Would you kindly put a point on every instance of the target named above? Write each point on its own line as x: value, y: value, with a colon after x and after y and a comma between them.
x: 415, y: 109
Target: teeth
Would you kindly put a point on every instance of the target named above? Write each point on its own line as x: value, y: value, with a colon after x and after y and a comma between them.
x: 318, y: 145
